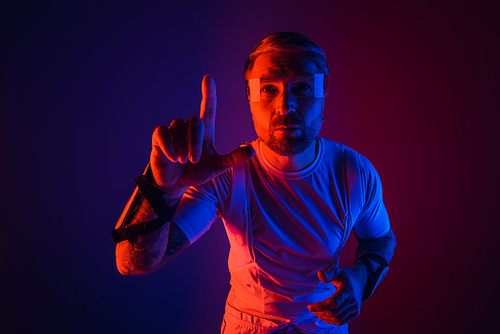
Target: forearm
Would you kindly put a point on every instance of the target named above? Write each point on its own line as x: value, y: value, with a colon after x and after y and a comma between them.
x: 372, y: 259
x: 148, y: 252
x: 143, y: 255
x: 383, y: 247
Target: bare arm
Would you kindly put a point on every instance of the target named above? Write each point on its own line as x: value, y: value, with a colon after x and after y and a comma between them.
x: 383, y: 246
x: 150, y: 251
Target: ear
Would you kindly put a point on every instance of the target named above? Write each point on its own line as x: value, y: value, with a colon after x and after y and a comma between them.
x: 247, y: 90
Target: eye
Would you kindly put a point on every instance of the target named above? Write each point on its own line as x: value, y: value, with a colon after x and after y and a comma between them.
x: 301, y: 86
x: 301, y: 89
x: 269, y: 89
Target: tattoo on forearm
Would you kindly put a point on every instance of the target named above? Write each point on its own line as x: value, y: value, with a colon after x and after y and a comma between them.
x: 384, y: 246
x: 177, y: 242
x: 153, y: 250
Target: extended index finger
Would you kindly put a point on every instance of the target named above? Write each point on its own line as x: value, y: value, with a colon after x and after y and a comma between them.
x: 208, y: 106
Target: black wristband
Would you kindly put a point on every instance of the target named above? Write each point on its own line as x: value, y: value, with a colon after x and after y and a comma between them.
x: 152, y: 194
x: 154, y: 197
x: 132, y: 232
x: 374, y: 277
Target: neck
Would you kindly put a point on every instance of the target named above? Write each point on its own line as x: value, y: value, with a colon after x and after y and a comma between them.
x: 293, y: 163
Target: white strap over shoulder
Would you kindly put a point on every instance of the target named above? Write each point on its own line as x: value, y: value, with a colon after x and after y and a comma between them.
x: 238, y: 207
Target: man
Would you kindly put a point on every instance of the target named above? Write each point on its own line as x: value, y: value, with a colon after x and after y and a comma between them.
x: 288, y: 201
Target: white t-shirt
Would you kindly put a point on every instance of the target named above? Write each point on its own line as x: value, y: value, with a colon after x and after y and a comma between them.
x: 285, y: 226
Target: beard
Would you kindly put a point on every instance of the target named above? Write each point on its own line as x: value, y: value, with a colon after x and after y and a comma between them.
x: 290, y: 144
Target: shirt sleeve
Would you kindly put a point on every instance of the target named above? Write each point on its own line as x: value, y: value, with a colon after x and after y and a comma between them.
x: 197, y: 210
x: 200, y: 206
x: 373, y: 221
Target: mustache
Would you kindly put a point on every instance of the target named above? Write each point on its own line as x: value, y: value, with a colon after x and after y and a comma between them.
x: 287, y: 120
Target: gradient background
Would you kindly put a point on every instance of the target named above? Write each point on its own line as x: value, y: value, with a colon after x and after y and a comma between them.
x: 414, y: 87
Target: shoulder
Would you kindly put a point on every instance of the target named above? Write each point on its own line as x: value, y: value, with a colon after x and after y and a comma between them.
x: 222, y: 185
x: 332, y: 149
x: 357, y: 166
x: 256, y: 160
x: 255, y: 144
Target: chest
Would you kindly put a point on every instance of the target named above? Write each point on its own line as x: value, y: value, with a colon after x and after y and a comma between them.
x: 307, y: 217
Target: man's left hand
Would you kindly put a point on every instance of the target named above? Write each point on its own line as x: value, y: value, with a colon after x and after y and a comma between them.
x: 345, y: 304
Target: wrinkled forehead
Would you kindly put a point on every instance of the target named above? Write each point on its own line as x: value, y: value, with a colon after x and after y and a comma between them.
x: 282, y: 64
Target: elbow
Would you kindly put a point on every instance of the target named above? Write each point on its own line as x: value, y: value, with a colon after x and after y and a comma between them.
x: 129, y: 264
x: 392, y: 237
x: 124, y: 268
x: 125, y: 271
x: 130, y: 270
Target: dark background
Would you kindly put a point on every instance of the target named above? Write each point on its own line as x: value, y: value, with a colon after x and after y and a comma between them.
x: 414, y: 86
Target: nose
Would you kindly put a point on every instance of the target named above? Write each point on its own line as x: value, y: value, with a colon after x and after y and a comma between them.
x: 286, y: 103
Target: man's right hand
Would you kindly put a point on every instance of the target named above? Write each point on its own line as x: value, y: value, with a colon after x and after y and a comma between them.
x: 184, y: 154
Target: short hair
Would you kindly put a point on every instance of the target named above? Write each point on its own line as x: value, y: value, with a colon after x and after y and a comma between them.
x: 285, y: 41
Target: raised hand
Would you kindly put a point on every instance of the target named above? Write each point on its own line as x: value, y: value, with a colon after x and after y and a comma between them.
x: 184, y: 153
x: 345, y: 304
